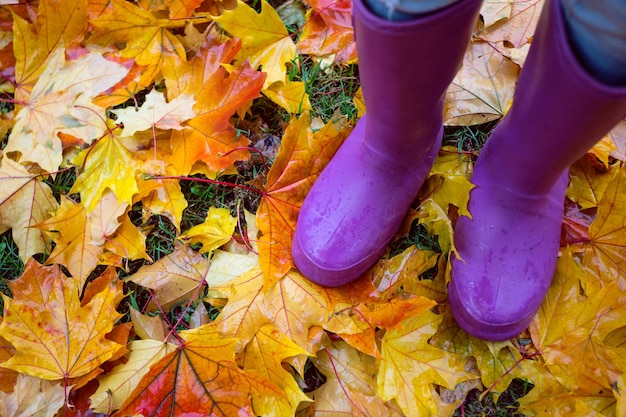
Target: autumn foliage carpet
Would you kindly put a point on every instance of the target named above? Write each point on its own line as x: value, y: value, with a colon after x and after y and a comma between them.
x: 119, y: 118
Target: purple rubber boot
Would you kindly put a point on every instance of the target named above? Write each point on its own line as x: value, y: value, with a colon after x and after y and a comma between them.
x: 509, y: 248
x: 358, y: 202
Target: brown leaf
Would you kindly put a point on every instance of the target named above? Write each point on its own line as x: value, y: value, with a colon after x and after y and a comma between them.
x: 175, y: 277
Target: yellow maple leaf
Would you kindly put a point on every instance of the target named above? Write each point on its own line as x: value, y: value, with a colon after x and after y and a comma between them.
x: 70, y: 230
x: 410, y: 365
x: 56, y: 337
x: 106, y: 165
x: 216, y: 230
x: 265, y: 353
x: 266, y: 41
x: 570, y: 327
x: 144, y: 37
x: 58, y: 22
x: 25, y: 201
x: 605, y: 256
x: 61, y: 103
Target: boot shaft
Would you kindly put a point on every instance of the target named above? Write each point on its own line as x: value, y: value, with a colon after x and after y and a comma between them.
x: 405, y: 69
x: 559, y: 111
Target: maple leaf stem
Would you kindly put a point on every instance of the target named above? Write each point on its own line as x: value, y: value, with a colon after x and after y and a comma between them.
x: 204, y: 180
x: 13, y: 101
x: 167, y: 320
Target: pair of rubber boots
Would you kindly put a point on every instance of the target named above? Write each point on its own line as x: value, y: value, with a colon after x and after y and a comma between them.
x: 509, y: 247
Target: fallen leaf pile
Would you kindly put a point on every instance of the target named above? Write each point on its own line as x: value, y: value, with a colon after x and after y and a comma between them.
x: 140, y: 98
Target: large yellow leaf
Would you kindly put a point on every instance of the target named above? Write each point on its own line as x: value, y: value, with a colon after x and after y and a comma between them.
x: 61, y: 103
x: 71, y: 232
x: 410, y: 365
x: 56, y: 337
x: 244, y: 313
x: 145, y: 38
x: 58, y: 23
x: 571, y: 327
x: 24, y: 202
x: 295, y: 305
x: 106, y: 165
x: 265, y: 354
x: 200, y: 378
x: 301, y: 158
x: 266, y: 41
x: 605, y: 256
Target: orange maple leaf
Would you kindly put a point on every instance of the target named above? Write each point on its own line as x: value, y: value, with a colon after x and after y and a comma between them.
x: 211, y: 138
x: 199, y: 378
x: 328, y: 31
x: 302, y: 156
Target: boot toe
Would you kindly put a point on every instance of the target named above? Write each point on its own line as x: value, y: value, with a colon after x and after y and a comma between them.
x: 330, y: 270
x: 491, y: 313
